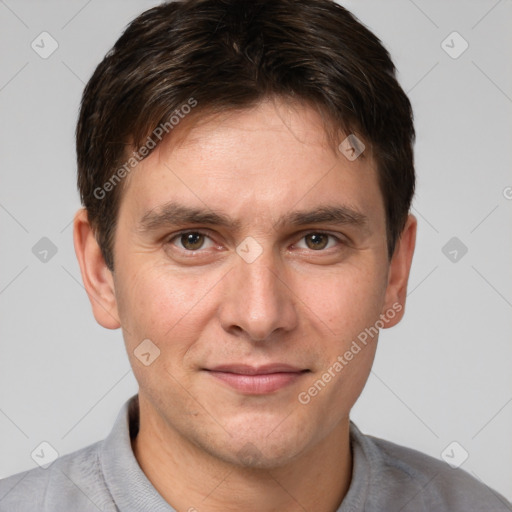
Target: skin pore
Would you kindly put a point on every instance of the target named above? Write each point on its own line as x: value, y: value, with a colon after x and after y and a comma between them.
x: 312, y: 276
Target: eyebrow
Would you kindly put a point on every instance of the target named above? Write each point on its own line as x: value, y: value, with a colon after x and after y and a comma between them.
x: 175, y: 214
x: 172, y: 213
x: 342, y: 215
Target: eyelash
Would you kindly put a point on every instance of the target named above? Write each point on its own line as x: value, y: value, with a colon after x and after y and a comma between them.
x: 199, y: 232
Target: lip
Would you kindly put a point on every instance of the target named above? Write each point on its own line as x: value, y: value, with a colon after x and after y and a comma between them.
x: 257, y: 380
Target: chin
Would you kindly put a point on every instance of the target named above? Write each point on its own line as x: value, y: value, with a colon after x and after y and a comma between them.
x: 254, y: 455
x: 263, y: 445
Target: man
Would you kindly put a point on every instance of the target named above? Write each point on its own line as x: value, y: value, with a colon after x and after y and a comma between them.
x: 246, y: 171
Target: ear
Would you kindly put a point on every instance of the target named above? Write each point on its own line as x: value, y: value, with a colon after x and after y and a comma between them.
x: 97, y: 277
x: 398, y: 274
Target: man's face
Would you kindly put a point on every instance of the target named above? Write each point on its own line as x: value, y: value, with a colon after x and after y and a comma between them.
x: 250, y: 312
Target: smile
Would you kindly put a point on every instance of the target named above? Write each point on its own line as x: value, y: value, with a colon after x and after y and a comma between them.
x: 257, y: 380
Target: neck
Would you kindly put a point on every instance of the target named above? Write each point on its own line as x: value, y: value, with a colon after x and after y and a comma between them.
x: 192, y: 480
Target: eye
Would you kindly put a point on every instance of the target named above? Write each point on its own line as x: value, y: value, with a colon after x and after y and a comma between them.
x: 192, y: 241
x: 318, y: 241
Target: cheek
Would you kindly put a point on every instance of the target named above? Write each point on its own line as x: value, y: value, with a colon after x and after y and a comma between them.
x: 345, y: 308
x: 158, y: 302
x: 155, y: 303
x: 346, y: 302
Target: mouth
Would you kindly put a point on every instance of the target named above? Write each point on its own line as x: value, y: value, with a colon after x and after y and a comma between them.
x: 257, y: 380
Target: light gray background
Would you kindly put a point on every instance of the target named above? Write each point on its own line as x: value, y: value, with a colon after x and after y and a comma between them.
x: 442, y: 375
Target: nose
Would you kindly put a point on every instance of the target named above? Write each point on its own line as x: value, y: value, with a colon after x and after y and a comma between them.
x: 258, y: 301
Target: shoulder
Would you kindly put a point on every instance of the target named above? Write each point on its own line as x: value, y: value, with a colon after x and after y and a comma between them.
x: 426, y: 483
x: 72, y: 482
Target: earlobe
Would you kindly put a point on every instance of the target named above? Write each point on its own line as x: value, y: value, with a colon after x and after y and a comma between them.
x: 399, y: 269
x: 96, y: 276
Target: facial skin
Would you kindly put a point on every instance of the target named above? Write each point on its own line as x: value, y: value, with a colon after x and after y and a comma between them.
x: 202, y: 442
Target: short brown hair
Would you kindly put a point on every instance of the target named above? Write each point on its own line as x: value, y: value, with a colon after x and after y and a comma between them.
x: 232, y: 54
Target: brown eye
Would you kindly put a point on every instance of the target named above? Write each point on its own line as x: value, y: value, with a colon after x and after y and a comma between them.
x: 192, y: 241
x: 317, y: 241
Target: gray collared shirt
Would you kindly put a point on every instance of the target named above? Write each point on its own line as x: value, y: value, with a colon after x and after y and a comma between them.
x: 106, y: 477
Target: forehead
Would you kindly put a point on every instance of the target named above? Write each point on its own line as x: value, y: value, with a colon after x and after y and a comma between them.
x: 259, y: 161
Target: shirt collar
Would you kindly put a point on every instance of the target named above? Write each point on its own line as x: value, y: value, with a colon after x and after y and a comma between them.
x: 127, y: 483
x: 132, y: 491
